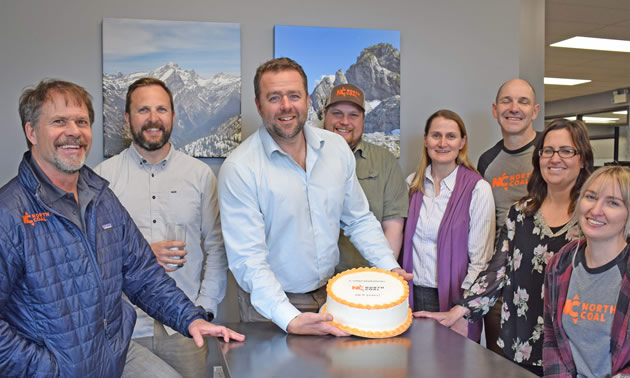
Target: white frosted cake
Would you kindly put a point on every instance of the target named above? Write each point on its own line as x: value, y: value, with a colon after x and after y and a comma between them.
x: 369, y: 302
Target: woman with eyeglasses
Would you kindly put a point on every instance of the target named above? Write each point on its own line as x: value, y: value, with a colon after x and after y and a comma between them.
x: 587, y: 288
x: 536, y: 227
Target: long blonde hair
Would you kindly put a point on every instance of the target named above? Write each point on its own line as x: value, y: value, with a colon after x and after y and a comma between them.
x: 462, y: 158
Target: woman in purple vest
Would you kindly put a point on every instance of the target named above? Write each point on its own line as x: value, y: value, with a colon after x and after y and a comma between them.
x: 449, y: 232
x: 536, y: 227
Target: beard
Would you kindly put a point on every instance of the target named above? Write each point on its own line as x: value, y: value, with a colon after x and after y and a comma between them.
x: 285, y: 133
x: 71, y: 165
x: 140, y: 140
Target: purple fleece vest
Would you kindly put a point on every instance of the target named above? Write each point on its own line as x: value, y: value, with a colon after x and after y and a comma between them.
x: 452, y: 243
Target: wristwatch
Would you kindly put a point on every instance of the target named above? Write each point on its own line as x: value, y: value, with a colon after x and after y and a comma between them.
x: 210, y: 316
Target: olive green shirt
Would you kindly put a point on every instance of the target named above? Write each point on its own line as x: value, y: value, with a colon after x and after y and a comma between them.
x: 384, y: 186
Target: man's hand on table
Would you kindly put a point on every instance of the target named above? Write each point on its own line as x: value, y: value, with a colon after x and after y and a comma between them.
x: 200, y: 328
x: 403, y: 273
x: 310, y: 323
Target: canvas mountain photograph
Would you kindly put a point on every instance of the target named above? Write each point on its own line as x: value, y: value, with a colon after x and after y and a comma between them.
x: 199, y: 63
x: 367, y: 58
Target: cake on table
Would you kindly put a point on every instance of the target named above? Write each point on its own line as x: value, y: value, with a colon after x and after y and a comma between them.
x: 369, y: 302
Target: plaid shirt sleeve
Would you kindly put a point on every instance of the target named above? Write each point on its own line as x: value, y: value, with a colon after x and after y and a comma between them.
x: 620, y: 345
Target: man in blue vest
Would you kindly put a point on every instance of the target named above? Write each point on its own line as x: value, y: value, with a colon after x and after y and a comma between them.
x: 69, y: 250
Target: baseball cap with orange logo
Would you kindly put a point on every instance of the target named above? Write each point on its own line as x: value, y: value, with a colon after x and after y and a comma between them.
x: 346, y: 92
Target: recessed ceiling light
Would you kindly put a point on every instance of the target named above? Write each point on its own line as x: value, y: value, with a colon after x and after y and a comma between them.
x: 561, y: 81
x: 589, y: 43
x: 621, y: 112
x: 595, y: 119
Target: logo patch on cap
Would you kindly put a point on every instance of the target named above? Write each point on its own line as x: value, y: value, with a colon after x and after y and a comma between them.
x: 346, y: 93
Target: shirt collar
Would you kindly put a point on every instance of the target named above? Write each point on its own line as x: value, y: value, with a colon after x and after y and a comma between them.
x: 449, y: 180
x: 47, y: 190
x: 313, y: 140
x: 142, y: 162
x: 360, y: 150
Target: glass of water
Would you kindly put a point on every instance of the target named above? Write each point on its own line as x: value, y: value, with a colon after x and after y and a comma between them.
x: 175, y: 232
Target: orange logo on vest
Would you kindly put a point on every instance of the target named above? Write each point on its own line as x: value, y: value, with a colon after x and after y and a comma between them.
x: 34, y: 218
x: 587, y: 311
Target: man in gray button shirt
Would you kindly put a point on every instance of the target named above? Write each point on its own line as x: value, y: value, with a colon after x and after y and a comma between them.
x: 159, y: 186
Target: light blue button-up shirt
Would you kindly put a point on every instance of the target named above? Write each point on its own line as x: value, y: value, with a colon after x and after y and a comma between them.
x: 281, y: 222
x: 179, y: 189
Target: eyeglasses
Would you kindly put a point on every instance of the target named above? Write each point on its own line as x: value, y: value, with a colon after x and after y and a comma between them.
x: 563, y: 152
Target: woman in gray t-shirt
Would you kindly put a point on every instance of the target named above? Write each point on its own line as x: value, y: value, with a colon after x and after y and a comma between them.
x: 587, y: 289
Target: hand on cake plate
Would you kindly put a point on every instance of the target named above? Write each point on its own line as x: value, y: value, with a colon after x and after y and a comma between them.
x: 454, y: 318
x: 310, y: 323
x: 403, y: 273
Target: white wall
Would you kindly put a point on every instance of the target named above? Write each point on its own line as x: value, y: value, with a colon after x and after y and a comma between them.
x: 532, y: 51
x: 454, y: 54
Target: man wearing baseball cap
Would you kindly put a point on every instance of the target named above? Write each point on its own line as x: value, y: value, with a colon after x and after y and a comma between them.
x: 378, y: 172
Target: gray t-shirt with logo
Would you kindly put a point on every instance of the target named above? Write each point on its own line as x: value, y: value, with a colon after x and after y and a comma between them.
x: 588, y: 313
x: 508, y: 173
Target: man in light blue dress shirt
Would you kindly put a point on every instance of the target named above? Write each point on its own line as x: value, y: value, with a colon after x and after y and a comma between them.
x: 284, y: 193
x: 159, y: 185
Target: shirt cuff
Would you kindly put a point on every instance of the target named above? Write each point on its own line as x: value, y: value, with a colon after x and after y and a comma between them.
x: 468, y: 281
x: 387, y: 263
x: 283, y: 315
x: 208, y: 305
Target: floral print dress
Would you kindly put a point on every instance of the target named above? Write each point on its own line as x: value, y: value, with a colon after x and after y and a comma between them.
x: 516, y: 271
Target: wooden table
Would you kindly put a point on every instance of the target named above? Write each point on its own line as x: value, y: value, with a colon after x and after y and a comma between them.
x: 426, y: 349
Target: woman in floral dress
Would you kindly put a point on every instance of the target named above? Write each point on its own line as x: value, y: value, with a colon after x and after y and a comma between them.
x: 536, y: 227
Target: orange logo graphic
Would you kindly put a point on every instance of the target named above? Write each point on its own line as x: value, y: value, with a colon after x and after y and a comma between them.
x: 358, y: 287
x: 587, y: 311
x: 505, y: 181
x: 34, y: 218
x: 347, y: 92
